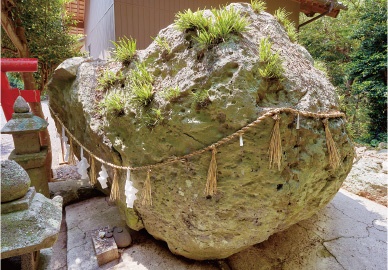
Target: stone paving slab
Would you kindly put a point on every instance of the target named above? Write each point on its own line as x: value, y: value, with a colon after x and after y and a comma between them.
x: 349, y: 233
x: 145, y: 252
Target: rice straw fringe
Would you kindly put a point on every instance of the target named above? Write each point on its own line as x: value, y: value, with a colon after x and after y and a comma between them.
x: 146, y: 193
x: 211, y: 183
x: 115, y: 193
x: 71, y: 159
x: 334, y: 156
x: 275, y: 146
x: 93, y: 176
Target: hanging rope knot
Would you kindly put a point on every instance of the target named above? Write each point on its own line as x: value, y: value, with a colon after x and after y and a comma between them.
x: 275, y: 146
x: 334, y: 156
x: 211, y: 182
x: 146, y: 193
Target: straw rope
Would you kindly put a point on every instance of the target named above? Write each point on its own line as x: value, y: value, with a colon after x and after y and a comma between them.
x: 269, y: 113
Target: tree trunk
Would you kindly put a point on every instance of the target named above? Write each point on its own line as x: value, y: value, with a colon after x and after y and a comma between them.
x: 11, y: 26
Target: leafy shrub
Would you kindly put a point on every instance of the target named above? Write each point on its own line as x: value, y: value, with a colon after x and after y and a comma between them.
x: 188, y: 21
x: 141, y: 84
x: 281, y: 16
x: 124, y: 51
x: 200, y: 98
x: 114, y: 102
x: 109, y: 78
x: 153, y: 118
x: 258, y: 6
x: 172, y: 94
x: 162, y: 43
x: 272, y: 62
x: 210, y: 32
x: 228, y: 22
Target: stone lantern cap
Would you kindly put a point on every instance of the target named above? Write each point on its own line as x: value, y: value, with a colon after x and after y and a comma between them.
x: 23, y: 121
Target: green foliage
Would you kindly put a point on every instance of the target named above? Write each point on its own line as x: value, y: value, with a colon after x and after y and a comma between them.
x: 258, y: 5
x: 153, y: 118
x: 113, y: 103
x: 368, y: 65
x: 172, y: 94
x: 272, y: 62
x: 320, y: 65
x: 109, y: 78
x: 124, y: 51
x: 226, y: 24
x: 189, y: 21
x: 14, y: 81
x: 353, y: 48
x: 141, y: 84
x: 46, y: 25
x: 281, y: 16
x: 200, y: 98
x: 162, y: 43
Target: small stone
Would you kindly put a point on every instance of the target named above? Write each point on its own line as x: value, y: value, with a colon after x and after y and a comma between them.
x: 382, y: 145
x: 101, y: 235
x: 122, y: 237
x: 20, y: 105
x: 14, y: 181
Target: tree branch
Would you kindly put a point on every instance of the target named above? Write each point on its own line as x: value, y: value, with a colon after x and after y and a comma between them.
x: 9, y: 50
x: 10, y: 28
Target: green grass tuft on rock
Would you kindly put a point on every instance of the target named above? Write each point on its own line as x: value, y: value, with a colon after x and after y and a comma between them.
x: 272, y: 62
x: 281, y: 16
x: 259, y: 6
x: 124, y: 51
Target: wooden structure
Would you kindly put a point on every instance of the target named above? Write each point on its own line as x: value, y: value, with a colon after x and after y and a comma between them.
x: 103, y: 21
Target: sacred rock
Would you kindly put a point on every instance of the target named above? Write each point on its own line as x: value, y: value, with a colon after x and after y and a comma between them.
x: 220, y: 91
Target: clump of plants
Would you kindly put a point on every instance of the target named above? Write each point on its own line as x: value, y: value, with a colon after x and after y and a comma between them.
x: 200, y: 98
x: 141, y: 84
x: 113, y: 103
x: 272, y: 62
x: 281, y: 16
x: 172, y: 94
x: 226, y: 24
x: 259, y: 6
x: 109, y: 78
x: 124, y: 51
x: 191, y: 21
x: 153, y: 118
x: 162, y: 43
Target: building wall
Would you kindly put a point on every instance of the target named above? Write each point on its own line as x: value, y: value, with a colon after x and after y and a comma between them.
x: 141, y: 19
x: 99, y: 27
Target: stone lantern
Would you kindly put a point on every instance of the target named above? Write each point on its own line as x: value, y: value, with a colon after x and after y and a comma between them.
x: 24, y: 128
x: 29, y: 221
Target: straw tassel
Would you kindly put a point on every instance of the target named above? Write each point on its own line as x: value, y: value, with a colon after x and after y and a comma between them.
x: 211, y: 183
x: 146, y: 193
x: 331, y: 147
x: 275, y: 146
x: 115, y: 193
x: 93, y: 176
x: 71, y: 153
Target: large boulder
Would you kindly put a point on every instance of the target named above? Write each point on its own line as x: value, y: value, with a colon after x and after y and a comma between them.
x: 252, y: 201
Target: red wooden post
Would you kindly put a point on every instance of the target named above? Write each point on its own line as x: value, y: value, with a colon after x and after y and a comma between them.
x: 8, y: 94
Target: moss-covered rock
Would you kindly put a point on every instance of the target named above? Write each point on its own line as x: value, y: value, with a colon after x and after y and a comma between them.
x: 253, y: 201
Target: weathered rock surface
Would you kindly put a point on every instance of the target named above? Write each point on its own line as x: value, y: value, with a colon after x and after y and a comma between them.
x: 368, y: 177
x: 253, y: 201
x: 14, y: 181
